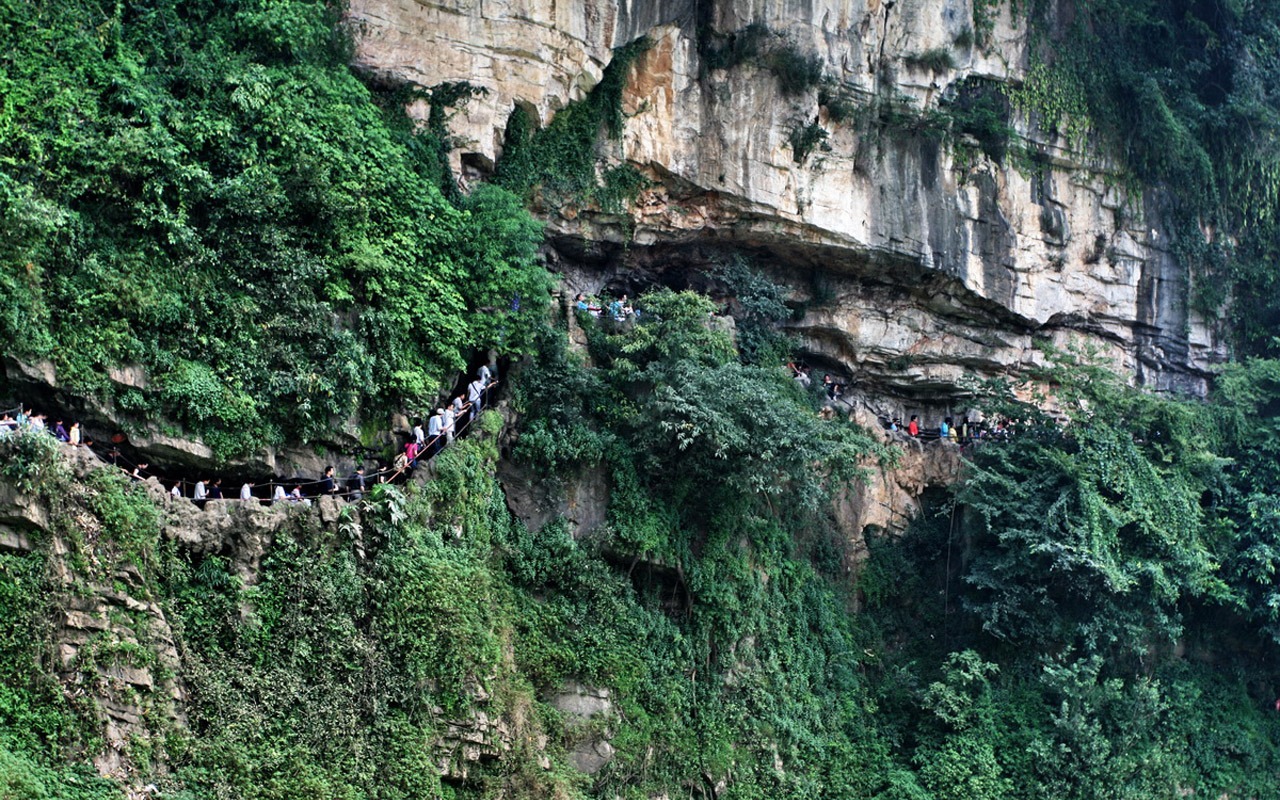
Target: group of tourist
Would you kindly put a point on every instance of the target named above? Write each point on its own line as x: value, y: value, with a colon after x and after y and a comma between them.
x: 441, y: 429
x: 22, y: 418
x: 965, y: 432
x: 833, y: 387
x: 618, y: 309
x: 447, y: 421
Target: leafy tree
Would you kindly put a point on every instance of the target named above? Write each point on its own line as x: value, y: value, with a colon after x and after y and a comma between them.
x: 1091, y: 531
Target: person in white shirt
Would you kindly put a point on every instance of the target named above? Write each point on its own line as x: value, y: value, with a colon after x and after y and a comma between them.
x: 176, y: 491
x: 446, y: 424
x: 435, y: 427
x: 475, y: 396
x: 278, y: 495
x: 246, y: 492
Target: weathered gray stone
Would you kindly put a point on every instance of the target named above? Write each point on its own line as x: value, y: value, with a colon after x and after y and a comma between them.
x: 945, y: 258
x: 591, y: 756
x: 581, y: 701
x: 18, y: 511
x: 13, y: 541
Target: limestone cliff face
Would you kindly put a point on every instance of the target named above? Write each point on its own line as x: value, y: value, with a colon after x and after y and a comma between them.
x: 931, y: 260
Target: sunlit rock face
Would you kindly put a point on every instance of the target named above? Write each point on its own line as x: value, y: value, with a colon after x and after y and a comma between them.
x: 920, y: 259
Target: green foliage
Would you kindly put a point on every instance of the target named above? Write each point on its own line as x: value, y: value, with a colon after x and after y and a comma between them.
x: 328, y: 677
x: 758, y: 307
x: 795, y: 70
x: 22, y: 778
x: 979, y: 109
x: 208, y: 191
x: 937, y: 60
x: 803, y: 140
x: 31, y: 461
x: 726, y: 51
x: 1082, y: 557
x: 1056, y: 102
x: 35, y: 718
x: 713, y: 493
x: 984, y: 20
x: 618, y: 186
x: 1097, y: 532
x: 128, y: 521
x: 842, y: 104
x: 559, y: 163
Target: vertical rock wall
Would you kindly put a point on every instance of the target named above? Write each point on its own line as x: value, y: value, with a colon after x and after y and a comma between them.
x: 941, y: 257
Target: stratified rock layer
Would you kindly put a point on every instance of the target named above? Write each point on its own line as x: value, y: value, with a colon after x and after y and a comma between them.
x: 933, y: 262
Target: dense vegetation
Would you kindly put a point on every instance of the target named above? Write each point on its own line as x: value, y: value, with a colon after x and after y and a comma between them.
x: 1091, y: 615
x: 207, y: 190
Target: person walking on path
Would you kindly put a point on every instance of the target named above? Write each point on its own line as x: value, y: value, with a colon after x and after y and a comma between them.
x: 356, y: 484
x: 446, y: 424
x: 435, y: 429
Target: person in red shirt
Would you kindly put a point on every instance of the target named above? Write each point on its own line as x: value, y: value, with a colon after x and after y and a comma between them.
x: 913, y: 427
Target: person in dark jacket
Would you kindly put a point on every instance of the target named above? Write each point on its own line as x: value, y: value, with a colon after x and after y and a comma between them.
x: 356, y: 484
x: 327, y: 484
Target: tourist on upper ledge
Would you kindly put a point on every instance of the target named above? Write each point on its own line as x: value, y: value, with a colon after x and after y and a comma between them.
x: 913, y: 427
